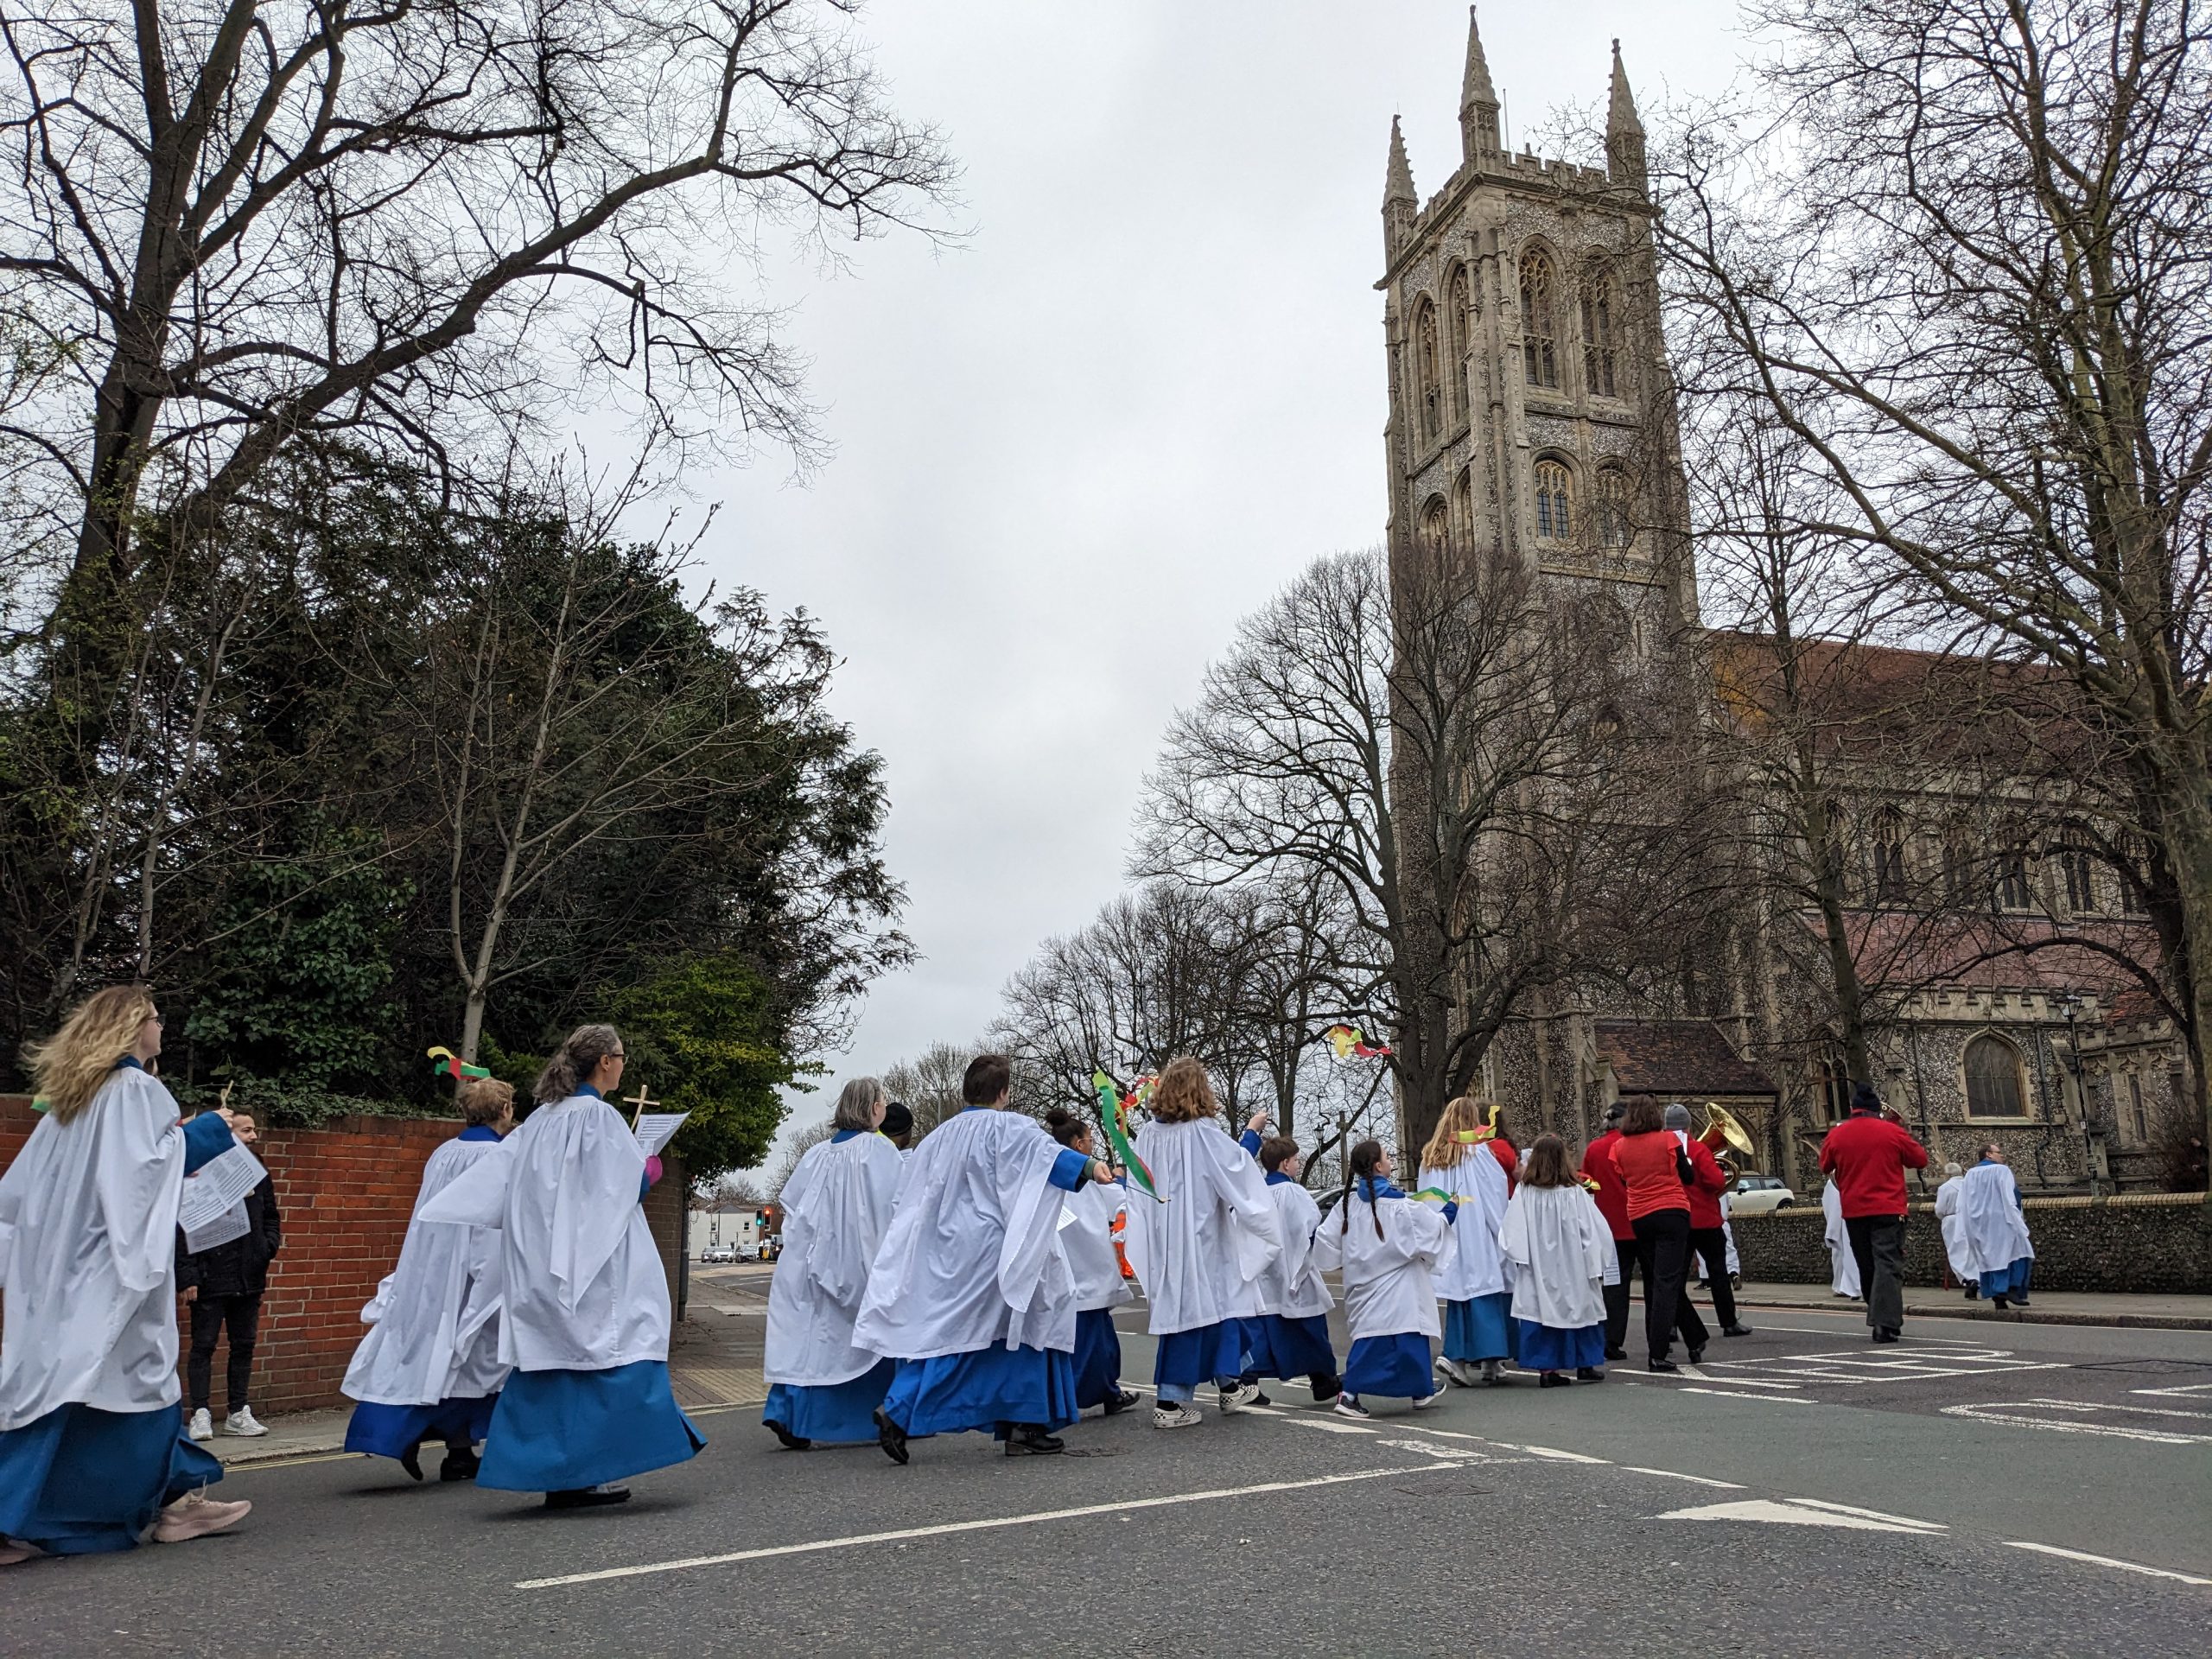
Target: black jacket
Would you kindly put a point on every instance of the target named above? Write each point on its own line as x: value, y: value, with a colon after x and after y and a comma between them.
x: 241, y: 1267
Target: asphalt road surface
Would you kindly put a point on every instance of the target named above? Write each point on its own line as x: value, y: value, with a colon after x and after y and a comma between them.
x: 2044, y: 1491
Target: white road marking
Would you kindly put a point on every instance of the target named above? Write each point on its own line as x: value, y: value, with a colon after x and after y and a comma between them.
x: 989, y: 1524
x: 1869, y: 1515
x: 2038, y: 1414
x: 1555, y: 1454
x: 2105, y: 1560
x: 1328, y: 1427
x: 1796, y: 1512
x: 1676, y: 1474
x: 1731, y: 1394
x: 2184, y: 1389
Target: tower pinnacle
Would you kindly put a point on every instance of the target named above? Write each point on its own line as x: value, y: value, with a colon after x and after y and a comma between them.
x: 1625, y: 133
x: 1400, y: 204
x: 1477, y: 99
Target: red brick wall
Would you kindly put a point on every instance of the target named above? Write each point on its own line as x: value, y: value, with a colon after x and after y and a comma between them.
x: 345, y: 1191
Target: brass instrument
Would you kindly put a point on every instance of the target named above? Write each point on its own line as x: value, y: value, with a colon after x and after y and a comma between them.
x: 1723, y: 1136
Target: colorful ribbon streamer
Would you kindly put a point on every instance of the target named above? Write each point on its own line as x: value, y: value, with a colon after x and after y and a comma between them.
x: 1113, y: 1104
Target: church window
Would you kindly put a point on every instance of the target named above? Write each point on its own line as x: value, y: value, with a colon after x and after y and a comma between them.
x: 1601, y: 348
x: 1539, y: 331
x: 2135, y: 1107
x: 1457, y: 316
x: 2077, y: 870
x: 1555, y: 501
x: 1889, y: 857
x: 2014, y: 891
x: 1616, y: 527
x: 1428, y: 379
x: 1435, y: 525
x: 1463, y: 507
x: 1958, y: 869
x: 1995, y: 1084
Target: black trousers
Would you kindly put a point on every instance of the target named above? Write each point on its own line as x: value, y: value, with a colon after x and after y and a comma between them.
x: 1710, y: 1246
x: 1626, y: 1250
x: 1663, y: 1242
x: 1878, y: 1245
x: 210, y: 1314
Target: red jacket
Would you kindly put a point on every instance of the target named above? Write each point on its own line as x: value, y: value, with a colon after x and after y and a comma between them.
x: 1868, y: 1156
x: 1612, y: 1196
x: 1647, y: 1167
x: 1509, y: 1159
x: 1705, y: 1191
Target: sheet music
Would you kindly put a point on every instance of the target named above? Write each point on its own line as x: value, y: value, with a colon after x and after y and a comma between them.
x: 215, y: 1189
x: 230, y: 1224
x: 654, y: 1129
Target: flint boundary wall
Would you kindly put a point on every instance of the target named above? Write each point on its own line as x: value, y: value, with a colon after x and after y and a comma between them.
x: 345, y: 1191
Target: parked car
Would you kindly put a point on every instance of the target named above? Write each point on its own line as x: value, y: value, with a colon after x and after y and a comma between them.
x: 1754, y: 1194
x: 748, y: 1252
x: 718, y: 1254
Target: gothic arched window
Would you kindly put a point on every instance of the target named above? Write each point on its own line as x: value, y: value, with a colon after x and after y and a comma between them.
x: 1600, y: 308
x: 1996, y: 1085
x: 1555, y: 501
x: 1428, y: 378
x: 1435, y: 523
x: 1889, y: 857
x: 1616, y: 524
x: 1463, y: 507
x: 1457, y: 312
x: 1539, y: 329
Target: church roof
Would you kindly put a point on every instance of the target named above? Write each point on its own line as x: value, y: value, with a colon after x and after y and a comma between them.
x: 1678, y: 1057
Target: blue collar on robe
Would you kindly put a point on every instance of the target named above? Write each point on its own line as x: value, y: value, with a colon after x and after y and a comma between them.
x: 979, y: 1108
x: 586, y: 1088
x: 130, y: 1061
x: 843, y: 1135
x: 1373, y: 1188
x: 478, y: 1132
x: 1276, y: 1177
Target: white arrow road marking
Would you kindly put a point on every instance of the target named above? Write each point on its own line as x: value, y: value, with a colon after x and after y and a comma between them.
x: 2040, y: 1413
x: 2186, y: 1389
x: 1773, y: 1399
x: 2104, y: 1561
x: 1675, y: 1474
x: 1803, y: 1512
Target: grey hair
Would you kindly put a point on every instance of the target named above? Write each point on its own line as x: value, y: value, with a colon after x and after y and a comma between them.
x: 575, y: 1061
x: 1952, y: 1169
x: 1678, y: 1116
x: 856, y: 1105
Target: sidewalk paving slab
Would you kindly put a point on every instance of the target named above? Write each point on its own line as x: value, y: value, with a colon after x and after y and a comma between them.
x: 2166, y: 1313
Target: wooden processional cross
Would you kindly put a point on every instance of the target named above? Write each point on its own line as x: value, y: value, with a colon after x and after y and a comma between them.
x: 637, y: 1104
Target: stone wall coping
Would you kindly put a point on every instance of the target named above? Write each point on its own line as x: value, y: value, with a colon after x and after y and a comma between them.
x: 2123, y: 1200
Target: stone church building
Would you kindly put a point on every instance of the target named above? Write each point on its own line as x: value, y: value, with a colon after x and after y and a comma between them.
x: 1532, y: 410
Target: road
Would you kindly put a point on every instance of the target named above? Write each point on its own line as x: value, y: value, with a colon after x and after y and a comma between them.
x: 1802, y: 1492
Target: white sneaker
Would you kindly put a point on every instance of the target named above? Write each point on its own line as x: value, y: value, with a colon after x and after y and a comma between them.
x: 11, y: 1554
x: 1176, y: 1415
x: 1426, y: 1400
x: 242, y: 1421
x: 1235, y: 1399
x: 199, y: 1428
x: 1453, y: 1372
x: 1348, y: 1406
x: 195, y: 1515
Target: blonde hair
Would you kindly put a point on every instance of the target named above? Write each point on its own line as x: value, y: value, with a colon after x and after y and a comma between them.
x: 483, y: 1100
x: 1463, y: 1117
x: 68, y: 1067
x: 1184, y: 1093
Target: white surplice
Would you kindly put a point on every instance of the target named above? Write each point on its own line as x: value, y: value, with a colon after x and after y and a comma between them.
x: 836, y: 1206
x: 1088, y: 1241
x: 1996, y: 1232
x: 1843, y: 1266
x: 1199, y: 1255
x: 1558, y: 1243
x: 585, y: 1290
x: 973, y: 1255
x: 434, y: 1323
x: 88, y: 1256
x: 1290, y: 1284
x: 1388, y: 1287
x: 1478, y: 1267
x: 1958, y: 1244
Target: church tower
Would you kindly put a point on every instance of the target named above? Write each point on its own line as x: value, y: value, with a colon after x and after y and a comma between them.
x: 1531, y: 408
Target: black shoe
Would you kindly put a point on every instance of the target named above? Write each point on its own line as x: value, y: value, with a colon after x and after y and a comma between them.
x: 1028, y: 1440
x: 2020, y: 1301
x: 1885, y: 1335
x: 1616, y: 1353
x: 1552, y: 1380
x: 1663, y: 1364
x: 1326, y: 1386
x: 461, y: 1463
x: 891, y: 1438
x: 1697, y: 1354
x: 1973, y: 1293
x: 1588, y: 1374
x: 792, y: 1442
x: 1735, y: 1329
x: 1998, y: 1302
x: 1260, y: 1399
x: 1121, y: 1400
x: 590, y: 1498
x: 411, y: 1461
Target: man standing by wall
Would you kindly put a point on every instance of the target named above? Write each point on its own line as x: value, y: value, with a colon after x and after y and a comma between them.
x: 224, y: 1286
x: 1868, y: 1154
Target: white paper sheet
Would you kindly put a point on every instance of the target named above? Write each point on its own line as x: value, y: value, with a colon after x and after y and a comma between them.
x: 218, y: 1185
x: 230, y: 1224
x: 655, y: 1128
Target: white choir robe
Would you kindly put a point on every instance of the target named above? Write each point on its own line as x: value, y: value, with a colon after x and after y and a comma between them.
x: 1997, y: 1229
x: 1290, y: 1338
x: 970, y: 1289
x: 1843, y: 1266
x: 585, y: 1321
x: 1476, y: 1284
x: 91, y: 1442
x: 1389, y: 1289
x: 1958, y: 1244
x: 1200, y: 1255
x: 1559, y: 1245
x: 1087, y: 1235
x: 836, y: 1206
x: 430, y: 1366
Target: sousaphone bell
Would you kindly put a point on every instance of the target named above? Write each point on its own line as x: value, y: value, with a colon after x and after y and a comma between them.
x: 1723, y: 1135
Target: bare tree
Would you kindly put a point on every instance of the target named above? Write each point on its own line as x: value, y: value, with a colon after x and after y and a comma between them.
x: 802, y: 1143
x: 1962, y: 253
x: 930, y: 1083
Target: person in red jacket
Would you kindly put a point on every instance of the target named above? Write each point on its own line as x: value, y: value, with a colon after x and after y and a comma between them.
x: 1707, y: 1182
x: 1868, y: 1155
x: 1598, y: 1167
x: 1656, y: 1171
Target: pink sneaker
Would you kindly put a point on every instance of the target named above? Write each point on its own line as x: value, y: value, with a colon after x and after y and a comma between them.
x: 194, y: 1515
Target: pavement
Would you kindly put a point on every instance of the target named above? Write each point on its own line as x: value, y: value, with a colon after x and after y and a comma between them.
x: 2033, y: 1488
x: 2044, y: 1306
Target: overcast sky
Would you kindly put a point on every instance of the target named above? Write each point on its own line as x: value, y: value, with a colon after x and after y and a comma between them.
x: 1073, y: 452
